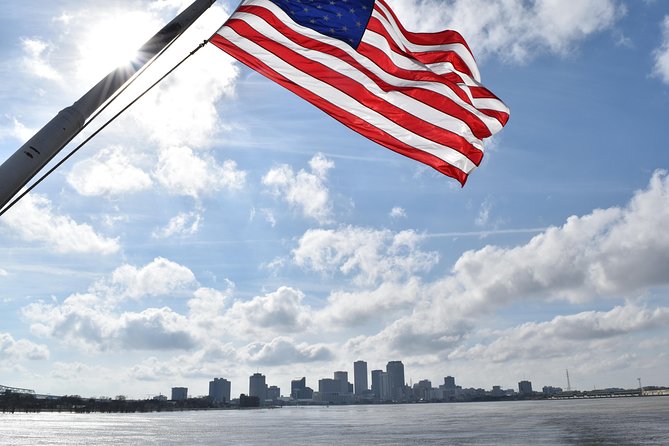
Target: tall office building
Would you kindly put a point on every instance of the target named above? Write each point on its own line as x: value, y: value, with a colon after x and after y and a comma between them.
x: 342, y: 377
x: 179, y: 393
x: 296, y: 386
x: 395, y: 370
x: 299, y: 389
x: 258, y: 386
x: 376, y: 383
x: 360, y: 377
x: 448, y: 389
x: 525, y: 388
x: 273, y: 393
x: 384, y: 387
x: 219, y: 390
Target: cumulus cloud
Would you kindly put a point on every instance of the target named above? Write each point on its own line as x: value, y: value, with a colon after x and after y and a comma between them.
x: 281, y: 311
x: 398, y: 212
x: 284, y: 350
x: 155, y: 329
x: 182, y: 109
x: 368, y: 255
x: 303, y: 190
x: 564, y: 333
x: 365, y: 307
x: 36, y: 62
x: 484, y: 213
x: 513, y: 29
x: 613, y: 252
x: 83, y: 320
x: 109, y: 172
x: 661, y: 68
x: 182, y: 172
x: 183, y: 224
x: 160, y: 277
x: 609, y: 252
x: 33, y: 219
x: 21, y: 349
x: 13, y: 128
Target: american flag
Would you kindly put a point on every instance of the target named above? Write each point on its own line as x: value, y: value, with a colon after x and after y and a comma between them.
x: 418, y: 94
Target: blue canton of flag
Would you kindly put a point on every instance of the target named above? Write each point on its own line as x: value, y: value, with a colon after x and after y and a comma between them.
x: 345, y: 20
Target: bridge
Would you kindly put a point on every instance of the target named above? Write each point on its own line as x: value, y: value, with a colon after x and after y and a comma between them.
x: 6, y: 389
x: 603, y: 393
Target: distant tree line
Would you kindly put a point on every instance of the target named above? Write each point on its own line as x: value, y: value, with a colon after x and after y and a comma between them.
x: 18, y: 402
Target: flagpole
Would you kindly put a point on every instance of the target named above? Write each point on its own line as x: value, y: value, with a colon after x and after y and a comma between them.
x: 30, y: 158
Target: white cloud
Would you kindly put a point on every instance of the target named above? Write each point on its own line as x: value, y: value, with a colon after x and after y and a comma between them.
x: 36, y: 59
x: 367, y: 307
x: 33, y: 219
x: 513, y: 29
x: 158, y: 278
x: 155, y: 329
x: 661, y: 68
x: 15, y: 129
x: 22, y: 349
x: 109, y: 172
x: 182, y: 109
x: 3, y: 273
x: 183, y: 224
x: 608, y: 252
x: 615, y: 252
x: 368, y: 255
x: 484, y: 213
x: 208, y: 303
x: 284, y: 350
x: 281, y: 311
x: 565, y: 333
x: 182, y: 172
x: 83, y: 320
x: 303, y: 190
x: 398, y: 212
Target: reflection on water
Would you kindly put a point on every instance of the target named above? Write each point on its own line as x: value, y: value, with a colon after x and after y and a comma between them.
x: 622, y: 421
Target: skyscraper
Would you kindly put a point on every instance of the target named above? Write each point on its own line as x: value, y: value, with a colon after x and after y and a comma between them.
x: 525, y: 388
x: 376, y: 383
x: 179, y: 393
x: 219, y: 390
x: 395, y: 370
x: 360, y: 377
x: 342, y: 377
x: 299, y: 389
x: 258, y: 387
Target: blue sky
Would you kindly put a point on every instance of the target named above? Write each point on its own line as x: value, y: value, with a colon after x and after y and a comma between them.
x: 224, y: 226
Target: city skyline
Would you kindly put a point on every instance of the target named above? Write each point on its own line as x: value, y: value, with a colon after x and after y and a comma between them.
x: 222, y: 226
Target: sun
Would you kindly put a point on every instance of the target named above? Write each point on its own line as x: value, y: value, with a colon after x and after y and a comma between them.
x: 112, y: 41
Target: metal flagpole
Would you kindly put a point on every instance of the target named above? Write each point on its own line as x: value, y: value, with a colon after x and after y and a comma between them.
x: 28, y: 160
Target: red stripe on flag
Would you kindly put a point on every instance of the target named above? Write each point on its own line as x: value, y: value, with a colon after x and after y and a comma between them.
x: 354, y: 89
x: 348, y: 119
x: 377, y: 56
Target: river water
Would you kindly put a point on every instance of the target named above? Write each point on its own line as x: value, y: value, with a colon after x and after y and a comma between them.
x: 620, y: 421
